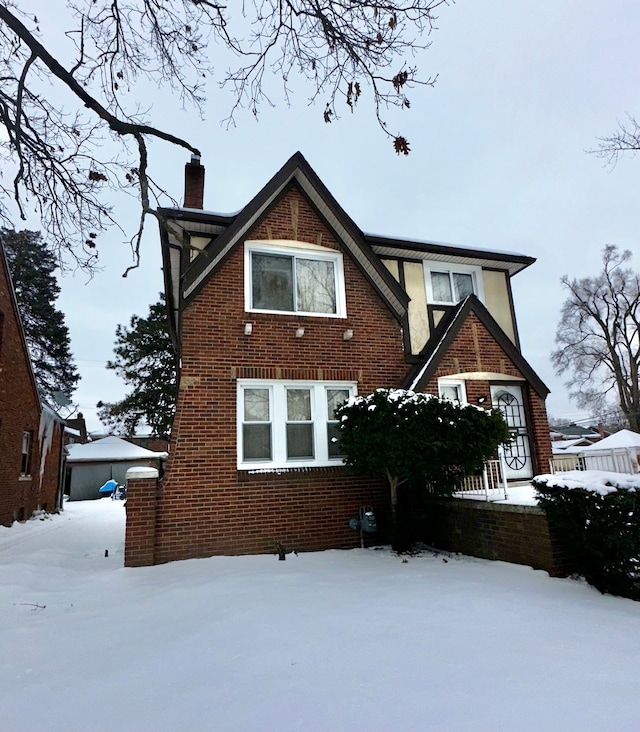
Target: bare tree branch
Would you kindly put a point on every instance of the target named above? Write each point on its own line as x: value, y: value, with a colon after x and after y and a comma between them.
x: 55, y: 150
x: 599, y: 337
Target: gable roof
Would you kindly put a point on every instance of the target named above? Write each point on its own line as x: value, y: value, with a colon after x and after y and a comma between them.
x: 446, y: 332
x: 227, y: 232
x: 622, y: 438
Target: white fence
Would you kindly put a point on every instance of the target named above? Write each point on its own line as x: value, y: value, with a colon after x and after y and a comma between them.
x: 617, y: 460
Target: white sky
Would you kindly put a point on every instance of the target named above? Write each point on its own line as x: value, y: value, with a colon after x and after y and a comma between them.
x: 498, y: 161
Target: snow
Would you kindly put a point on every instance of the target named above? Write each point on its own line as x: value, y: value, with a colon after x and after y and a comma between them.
x: 337, y: 640
x: 622, y: 438
x: 598, y: 481
x: 110, y: 449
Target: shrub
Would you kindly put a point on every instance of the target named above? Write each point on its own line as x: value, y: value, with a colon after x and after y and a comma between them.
x: 600, y: 525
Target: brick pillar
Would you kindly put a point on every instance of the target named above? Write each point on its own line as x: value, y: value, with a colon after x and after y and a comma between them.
x: 194, y: 183
x: 142, y: 489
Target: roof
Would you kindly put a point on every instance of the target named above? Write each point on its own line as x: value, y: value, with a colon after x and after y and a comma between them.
x: 444, y: 335
x: 623, y: 438
x: 110, y: 449
x: 184, y: 280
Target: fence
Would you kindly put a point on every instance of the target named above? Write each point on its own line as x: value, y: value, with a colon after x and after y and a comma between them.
x: 617, y: 460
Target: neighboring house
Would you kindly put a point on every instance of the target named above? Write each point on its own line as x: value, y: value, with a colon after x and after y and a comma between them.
x: 91, y: 465
x: 574, y: 431
x: 281, y: 312
x: 30, y: 431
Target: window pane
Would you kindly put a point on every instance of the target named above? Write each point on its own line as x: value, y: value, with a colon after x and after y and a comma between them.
x: 316, y: 286
x: 299, y: 441
x: 272, y: 281
x: 298, y: 405
x: 441, y: 286
x: 256, y: 440
x: 463, y: 284
x: 256, y: 405
x: 333, y: 434
x: 450, y: 392
x: 335, y: 397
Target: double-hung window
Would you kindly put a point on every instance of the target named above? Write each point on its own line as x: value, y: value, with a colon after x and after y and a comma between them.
x: 304, y: 281
x: 289, y: 423
x: 25, y: 460
x: 450, y: 286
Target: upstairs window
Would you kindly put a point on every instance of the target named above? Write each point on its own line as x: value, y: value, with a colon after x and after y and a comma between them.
x: 289, y: 424
x: 449, y: 287
x: 285, y: 280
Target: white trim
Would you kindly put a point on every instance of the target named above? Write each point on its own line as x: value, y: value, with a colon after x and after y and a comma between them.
x: 429, y: 266
x: 278, y: 420
x: 300, y: 250
x: 447, y: 381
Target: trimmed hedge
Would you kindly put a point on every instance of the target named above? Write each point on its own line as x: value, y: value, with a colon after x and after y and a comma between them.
x: 601, y: 532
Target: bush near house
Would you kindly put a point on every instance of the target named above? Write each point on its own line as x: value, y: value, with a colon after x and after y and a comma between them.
x: 599, y: 520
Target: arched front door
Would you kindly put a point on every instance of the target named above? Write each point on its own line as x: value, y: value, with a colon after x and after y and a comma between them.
x: 509, y: 399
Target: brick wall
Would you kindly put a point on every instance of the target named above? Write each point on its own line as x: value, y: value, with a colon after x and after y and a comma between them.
x: 205, y: 505
x: 19, y: 412
x: 518, y: 534
x: 475, y: 349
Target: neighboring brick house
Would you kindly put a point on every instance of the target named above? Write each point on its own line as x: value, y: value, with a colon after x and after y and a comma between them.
x: 279, y: 313
x: 30, y: 432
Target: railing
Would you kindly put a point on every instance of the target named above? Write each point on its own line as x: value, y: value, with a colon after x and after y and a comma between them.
x: 617, y: 460
x: 490, y: 484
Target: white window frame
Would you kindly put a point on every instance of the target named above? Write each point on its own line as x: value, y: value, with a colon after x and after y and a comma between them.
x: 453, y: 382
x: 278, y: 417
x: 295, y: 249
x: 445, y: 267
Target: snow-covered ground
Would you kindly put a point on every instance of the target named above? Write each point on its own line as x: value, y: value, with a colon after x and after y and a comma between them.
x: 330, y: 641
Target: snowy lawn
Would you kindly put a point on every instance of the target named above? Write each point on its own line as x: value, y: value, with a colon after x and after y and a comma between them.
x: 330, y: 641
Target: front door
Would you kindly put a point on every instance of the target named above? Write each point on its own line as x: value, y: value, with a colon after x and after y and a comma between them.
x: 509, y: 400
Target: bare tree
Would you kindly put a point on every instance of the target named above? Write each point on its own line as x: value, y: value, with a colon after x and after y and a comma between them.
x: 599, y: 337
x: 626, y: 139
x: 57, y: 116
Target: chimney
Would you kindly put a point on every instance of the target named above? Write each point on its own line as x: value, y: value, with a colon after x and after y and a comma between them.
x: 193, y: 183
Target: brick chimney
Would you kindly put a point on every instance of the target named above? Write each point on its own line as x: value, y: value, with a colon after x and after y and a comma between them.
x: 193, y: 183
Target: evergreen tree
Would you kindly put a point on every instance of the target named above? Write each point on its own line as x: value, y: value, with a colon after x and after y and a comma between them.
x: 145, y: 359
x: 32, y: 265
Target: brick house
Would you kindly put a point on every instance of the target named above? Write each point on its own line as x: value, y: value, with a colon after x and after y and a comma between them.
x: 30, y: 432
x: 279, y: 313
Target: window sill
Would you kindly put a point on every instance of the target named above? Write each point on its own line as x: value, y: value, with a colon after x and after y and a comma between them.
x: 24, y: 477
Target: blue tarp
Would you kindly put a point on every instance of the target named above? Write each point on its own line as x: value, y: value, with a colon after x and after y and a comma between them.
x: 109, y: 486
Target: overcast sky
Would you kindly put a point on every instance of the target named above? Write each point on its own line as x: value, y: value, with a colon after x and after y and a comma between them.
x: 497, y: 161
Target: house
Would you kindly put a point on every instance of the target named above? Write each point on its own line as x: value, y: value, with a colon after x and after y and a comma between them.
x: 279, y: 313
x: 92, y: 464
x: 31, y: 454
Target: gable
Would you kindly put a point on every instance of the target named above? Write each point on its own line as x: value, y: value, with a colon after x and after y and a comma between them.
x: 14, y: 354
x: 469, y: 343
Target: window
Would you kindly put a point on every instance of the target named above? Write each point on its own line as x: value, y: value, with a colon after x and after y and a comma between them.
x: 448, y: 287
x: 452, y: 391
x: 289, y: 424
x: 305, y: 281
x: 25, y: 463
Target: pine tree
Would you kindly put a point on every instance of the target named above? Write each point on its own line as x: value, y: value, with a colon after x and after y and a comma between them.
x: 32, y: 266
x: 145, y: 359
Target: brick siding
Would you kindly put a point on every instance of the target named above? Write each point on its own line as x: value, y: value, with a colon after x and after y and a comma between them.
x: 20, y: 495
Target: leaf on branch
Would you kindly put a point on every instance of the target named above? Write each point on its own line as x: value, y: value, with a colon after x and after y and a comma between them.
x: 399, y: 80
x: 97, y: 175
x: 328, y: 114
x: 401, y: 145
x: 393, y: 21
x: 379, y: 38
x: 90, y: 244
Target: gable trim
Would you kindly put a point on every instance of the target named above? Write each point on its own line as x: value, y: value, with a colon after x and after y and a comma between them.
x: 449, y: 329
